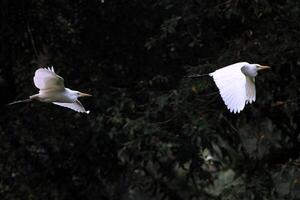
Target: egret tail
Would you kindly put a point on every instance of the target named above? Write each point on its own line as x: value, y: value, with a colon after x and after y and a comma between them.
x: 19, y: 101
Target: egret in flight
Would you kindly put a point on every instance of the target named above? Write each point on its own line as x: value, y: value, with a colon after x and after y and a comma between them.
x: 236, y: 84
x: 53, y: 90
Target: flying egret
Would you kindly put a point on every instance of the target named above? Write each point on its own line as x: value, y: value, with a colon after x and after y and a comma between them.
x: 53, y: 90
x: 236, y: 84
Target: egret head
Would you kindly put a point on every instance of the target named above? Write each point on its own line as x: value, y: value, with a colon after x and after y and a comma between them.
x: 74, y: 94
x: 251, y: 69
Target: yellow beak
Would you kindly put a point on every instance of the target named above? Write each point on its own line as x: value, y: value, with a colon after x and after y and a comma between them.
x: 81, y: 94
x: 261, y: 67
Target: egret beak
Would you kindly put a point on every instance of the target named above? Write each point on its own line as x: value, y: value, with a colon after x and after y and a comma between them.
x: 261, y: 67
x: 81, y: 94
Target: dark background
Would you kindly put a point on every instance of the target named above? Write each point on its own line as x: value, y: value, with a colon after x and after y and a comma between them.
x: 151, y: 133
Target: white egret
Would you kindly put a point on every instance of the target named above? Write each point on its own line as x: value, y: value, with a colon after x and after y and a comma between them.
x: 236, y: 84
x: 52, y: 90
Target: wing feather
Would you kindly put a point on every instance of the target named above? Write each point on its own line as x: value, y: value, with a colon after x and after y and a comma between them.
x: 250, y: 90
x: 47, y: 79
x: 231, y: 83
x: 77, y: 106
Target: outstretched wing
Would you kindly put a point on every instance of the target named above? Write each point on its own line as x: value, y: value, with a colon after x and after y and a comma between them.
x: 47, y: 79
x: 77, y: 106
x: 250, y: 90
x: 231, y: 83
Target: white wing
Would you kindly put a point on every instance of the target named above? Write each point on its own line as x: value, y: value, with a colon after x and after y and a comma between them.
x: 232, y: 86
x: 250, y: 90
x: 47, y: 79
x: 77, y: 106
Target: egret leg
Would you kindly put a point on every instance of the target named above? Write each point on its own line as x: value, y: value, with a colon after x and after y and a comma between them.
x: 19, y: 101
x: 196, y: 76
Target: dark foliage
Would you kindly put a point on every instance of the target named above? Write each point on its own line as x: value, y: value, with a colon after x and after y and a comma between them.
x: 151, y: 134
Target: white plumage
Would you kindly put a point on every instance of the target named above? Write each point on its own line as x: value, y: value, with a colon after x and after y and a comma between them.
x: 46, y: 79
x: 250, y: 90
x: 236, y: 84
x: 77, y: 106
